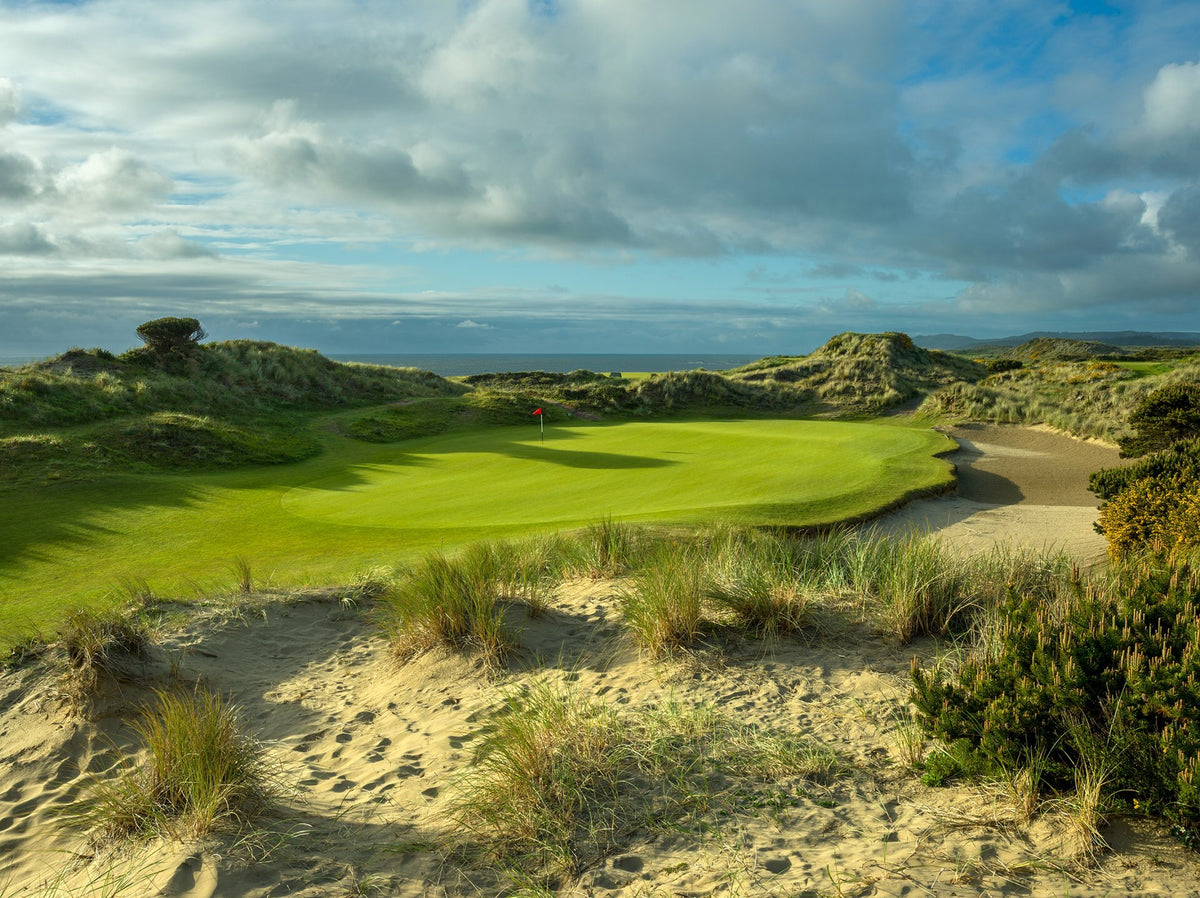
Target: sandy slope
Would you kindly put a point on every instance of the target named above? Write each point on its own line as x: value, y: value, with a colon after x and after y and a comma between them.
x: 371, y: 752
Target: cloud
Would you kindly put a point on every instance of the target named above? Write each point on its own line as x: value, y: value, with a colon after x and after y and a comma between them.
x: 1016, y: 155
x: 111, y: 181
x: 167, y: 244
x: 1173, y: 101
x: 473, y: 325
x: 8, y: 101
x: 24, y: 239
x: 20, y: 177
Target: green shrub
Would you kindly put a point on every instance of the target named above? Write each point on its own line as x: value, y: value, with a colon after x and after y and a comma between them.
x: 171, y: 335
x: 1165, y: 417
x: 1109, y: 672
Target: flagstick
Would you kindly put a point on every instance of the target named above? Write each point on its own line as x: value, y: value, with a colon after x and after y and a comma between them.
x: 542, y: 425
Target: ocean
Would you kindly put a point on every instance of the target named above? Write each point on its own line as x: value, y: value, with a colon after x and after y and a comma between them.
x: 457, y: 364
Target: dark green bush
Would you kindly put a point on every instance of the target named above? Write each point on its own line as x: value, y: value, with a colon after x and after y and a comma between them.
x: 998, y: 366
x: 1163, y: 418
x: 171, y: 335
x: 1116, y: 669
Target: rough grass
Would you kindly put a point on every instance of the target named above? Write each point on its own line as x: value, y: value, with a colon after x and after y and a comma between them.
x: 1089, y: 399
x: 199, y: 773
x: 863, y: 372
x: 100, y: 645
x: 225, y: 404
x: 561, y: 781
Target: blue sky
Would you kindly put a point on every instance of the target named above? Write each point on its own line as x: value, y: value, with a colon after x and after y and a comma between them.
x: 596, y: 175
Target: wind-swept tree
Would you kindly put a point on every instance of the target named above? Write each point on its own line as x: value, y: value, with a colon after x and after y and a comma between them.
x: 165, y: 336
x: 1165, y: 417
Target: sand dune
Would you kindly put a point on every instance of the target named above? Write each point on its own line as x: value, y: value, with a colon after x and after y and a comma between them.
x: 371, y: 751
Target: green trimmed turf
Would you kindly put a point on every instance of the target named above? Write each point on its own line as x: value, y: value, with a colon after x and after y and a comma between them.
x: 357, y: 504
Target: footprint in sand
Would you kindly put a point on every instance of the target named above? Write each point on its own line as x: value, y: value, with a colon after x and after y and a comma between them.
x: 308, y: 741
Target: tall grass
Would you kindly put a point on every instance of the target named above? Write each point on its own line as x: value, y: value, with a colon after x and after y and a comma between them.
x: 200, y: 773
x: 676, y: 588
x: 755, y: 578
x: 607, y: 548
x: 663, y: 606
x: 449, y: 602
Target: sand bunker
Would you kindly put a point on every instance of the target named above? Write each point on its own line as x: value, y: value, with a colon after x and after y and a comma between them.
x: 1020, y: 486
x: 372, y: 751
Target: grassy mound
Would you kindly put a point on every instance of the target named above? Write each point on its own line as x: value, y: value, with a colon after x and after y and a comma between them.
x: 864, y: 372
x: 225, y: 404
x: 238, y: 380
x: 1090, y: 399
x: 172, y: 440
x: 1058, y: 349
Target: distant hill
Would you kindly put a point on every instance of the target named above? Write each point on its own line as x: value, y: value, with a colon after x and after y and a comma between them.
x: 1061, y: 349
x: 959, y: 343
x: 864, y: 371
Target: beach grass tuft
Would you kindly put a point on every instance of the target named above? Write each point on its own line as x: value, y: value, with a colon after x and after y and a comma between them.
x: 664, y: 604
x: 200, y: 773
x: 100, y: 644
x: 448, y: 602
x: 561, y: 780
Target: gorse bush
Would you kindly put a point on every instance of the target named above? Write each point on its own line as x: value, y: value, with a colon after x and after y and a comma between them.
x: 1153, y: 513
x: 1155, y: 502
x: 1103, y: 671
x: 200, y: 773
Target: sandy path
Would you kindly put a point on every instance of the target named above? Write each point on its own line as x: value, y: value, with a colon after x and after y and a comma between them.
x: 1020, y: 486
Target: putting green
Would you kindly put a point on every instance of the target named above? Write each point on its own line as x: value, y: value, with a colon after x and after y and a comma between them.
x: 359, y: 505
x: 766, y: 472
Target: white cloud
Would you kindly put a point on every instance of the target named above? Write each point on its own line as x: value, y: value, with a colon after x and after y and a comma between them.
x: 473, y: 325
x: 111, y: 181
x: 1173, y: 101
x: 854, y: 137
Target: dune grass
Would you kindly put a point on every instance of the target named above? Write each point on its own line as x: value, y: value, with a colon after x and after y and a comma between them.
x: 561, y: 780
x: 680, y: 589
x: 358, y: 506
x: 200, y: 773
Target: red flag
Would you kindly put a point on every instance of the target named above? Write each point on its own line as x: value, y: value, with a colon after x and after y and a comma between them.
x: 538, y: 412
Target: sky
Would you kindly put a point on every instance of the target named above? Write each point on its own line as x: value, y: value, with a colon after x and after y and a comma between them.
x: 595, y: 175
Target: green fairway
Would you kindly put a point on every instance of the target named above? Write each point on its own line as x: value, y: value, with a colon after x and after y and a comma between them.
x: 358, y: 504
